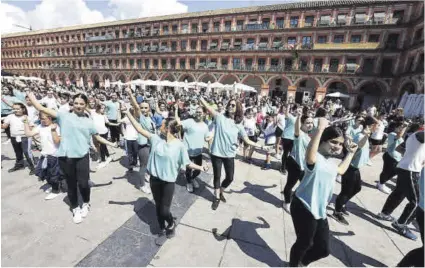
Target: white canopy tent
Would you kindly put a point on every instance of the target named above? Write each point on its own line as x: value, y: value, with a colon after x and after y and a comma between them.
x: 338, y: 95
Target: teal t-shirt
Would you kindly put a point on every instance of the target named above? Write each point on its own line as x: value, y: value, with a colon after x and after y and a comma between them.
x: 289, y: 131
x: 226, y: 134
x: 6, y: 109
x: 361, y: 157
x: 112, y: 109
x: 147, y: 124
x: 316, y: 187
x: 393, y: 142
x: 76, y: 133
x: 20, y: 95
x: 299, y: 149
x: 166, y: 158
x: 352, y: 131
x: 194, y: 136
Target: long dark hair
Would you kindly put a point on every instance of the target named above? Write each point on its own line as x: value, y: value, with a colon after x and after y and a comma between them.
x: 238, y: 113
x: 22, y: 106
x: 331, y: 133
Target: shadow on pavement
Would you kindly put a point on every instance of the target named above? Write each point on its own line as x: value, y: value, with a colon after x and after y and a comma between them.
x: 266, y: 256
x: 258, y: 191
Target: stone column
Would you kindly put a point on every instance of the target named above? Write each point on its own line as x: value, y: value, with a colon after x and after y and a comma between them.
x: 320, y: 94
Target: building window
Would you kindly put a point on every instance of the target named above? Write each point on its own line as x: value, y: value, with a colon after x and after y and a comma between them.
x: 165, y: 29
x: 294, y: 22
x: 292, y: 40
x: 333, y: 65
x: 216, y: 26
x: 360, y: 18
x: 183, y: 45
x: 274, y: 62
x: 356, y: 38
x: 147, y: 64
x: 341, y: 19
x: 239, y: 25
x: 227, y: 26
x: 392, y: 41
x: 373, y: 38
x: 325, y: 20
x: 174, y: 29
x: 193, y: 44
x: 419, y: 34
x: 185, y: 28
x: 378, y: 17
x: 280, y: 22
x: 322, y: 39
x: 398, y: 16
x: 194, y: 27
x: 368, y: 66
x: 339, y: 38
x: 309, y: 21
x: 386, y: 67
x: 182, y: 64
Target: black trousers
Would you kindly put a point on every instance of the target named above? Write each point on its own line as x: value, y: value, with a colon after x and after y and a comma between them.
x: 23, y: 148
x: 389, y: 169
x: 295, y: 174
x: 406, y: 187
x: 229, y: 169
x: 115, y: 131
x: 287, y: 148
x: 132, y: 149
x: 162, y: 192
x: 104, y: 153
x: 351, y: 184
x: 77, y: 174
x: 191, y: 174
x: 312, y: 241
x: 415, y: 257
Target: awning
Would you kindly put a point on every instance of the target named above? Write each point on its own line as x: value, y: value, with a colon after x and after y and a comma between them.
x: 360, y: 17
x: 325, y: 18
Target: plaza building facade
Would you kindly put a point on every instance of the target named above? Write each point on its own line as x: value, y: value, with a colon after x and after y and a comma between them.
x: 370, y: 50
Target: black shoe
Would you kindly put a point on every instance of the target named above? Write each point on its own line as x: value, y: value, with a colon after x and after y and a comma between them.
x: 345, y: 212
x: 160, y: 240
x: 339, y: 218
x: 222, y: 198
x: 15, y: 168
x: 171, y: 230
x: 215, y: 203
x: 32, y: 172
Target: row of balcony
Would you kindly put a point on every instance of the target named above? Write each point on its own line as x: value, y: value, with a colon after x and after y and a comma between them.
x: 225, y: 47
x: 196, y: 29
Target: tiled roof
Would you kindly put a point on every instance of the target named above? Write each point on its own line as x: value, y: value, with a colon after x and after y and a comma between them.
x: 306, y: 4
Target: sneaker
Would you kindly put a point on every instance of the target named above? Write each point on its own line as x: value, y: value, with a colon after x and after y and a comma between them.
x: 48, y: 190
x: 85, y: 210
x: 383, y: 188
x: 77, y: 215
x: 222, y: 198
x: 32, y: 172
x: 385, y: 217
x: 215, y: 203
x: 339, y: 218
x: 91, y: 183
x: 7, y: 142
x: 287, y: 207
x: 344, y: 211
x: 338, y: 178
x: 170, y: 231
x: 102, y: 165
x: 145, y: 188
x: 189, y: 187
x: 51, y: 196
x: 160, y: 240
x: 195, y: 184
x: 15, y: 168
x: 267, y: 167
x: 404, y: 231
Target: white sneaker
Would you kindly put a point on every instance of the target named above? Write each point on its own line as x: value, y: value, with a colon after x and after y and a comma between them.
x: 101, y: 165
x: 145, y: 189
x: 109, y: 159
x: 189, y: 187
x: 383, y: 188
x: 7, y: 142
x: 77, y: 215
x: 51, y: 196
x: 195, y: 184
x: 48, y: 190
x: 85, y: 210
x: 338, y: 178
x: 287, y: 207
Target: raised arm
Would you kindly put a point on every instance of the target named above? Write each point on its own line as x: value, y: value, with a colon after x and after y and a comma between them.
x: 137, y: 126
x: 366, y: 132
x: 40, y: 107
x: 297, y: 126
x: 210, y: 109
x: 55, y: 134
x: 351, y: 148
x: 28, y: 132
x: 176, y: 114
x: 313, y: 146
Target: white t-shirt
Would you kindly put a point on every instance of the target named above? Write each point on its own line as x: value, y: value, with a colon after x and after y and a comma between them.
x: 16, y: 125
x: 281, y: 121
x: 371, y: 111
x: 379, y: 132
x: 100, y: 121
x: 250, y: 126
x: 32, y: 114
x: 414, y: 156
x: 50, y: 103
x: 130, y: 132
x: 48, y: 147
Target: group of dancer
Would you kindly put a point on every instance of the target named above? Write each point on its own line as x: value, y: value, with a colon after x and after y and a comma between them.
x: 164, y: 134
